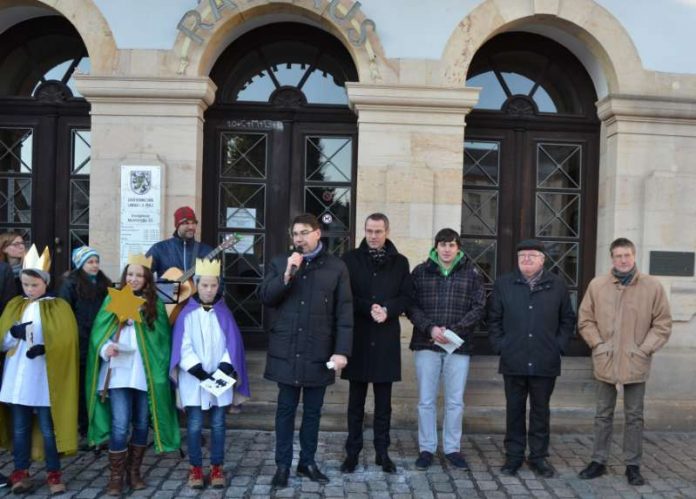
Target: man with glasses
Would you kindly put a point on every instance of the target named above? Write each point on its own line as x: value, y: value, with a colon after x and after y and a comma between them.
x: 624, y: 318
x: 530, y: 322
x: 311, y: 336
x: 181, y: 250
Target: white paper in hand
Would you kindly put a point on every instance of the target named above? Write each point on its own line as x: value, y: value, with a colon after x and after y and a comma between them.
x: 219, y: 384
x: 124, y: 359
x: 454, y: 341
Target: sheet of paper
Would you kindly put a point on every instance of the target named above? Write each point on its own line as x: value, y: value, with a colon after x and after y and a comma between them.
x: 124, y: 359
x: 219, y: 384
x: 454, y: 341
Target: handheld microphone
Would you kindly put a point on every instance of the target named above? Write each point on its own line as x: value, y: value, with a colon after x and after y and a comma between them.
x: 293, y: 267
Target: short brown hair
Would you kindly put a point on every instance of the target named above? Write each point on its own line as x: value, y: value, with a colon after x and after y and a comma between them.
x: 306, y: 219
x: 448, y: 235
x: 377, y: 217
x: 621, y: 242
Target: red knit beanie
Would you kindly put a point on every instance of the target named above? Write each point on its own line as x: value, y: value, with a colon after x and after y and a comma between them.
x: 184, y: 214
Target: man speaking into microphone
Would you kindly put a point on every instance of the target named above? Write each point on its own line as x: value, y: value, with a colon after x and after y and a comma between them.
x: 312, y: 335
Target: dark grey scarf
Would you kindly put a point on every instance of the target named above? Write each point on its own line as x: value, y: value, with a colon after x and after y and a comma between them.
x: 624, y: 278
x: 378, y: 256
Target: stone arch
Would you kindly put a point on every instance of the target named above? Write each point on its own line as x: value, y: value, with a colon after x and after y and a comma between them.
x: 584, y: 27
x: 196, y: 59
x: 84, y: 15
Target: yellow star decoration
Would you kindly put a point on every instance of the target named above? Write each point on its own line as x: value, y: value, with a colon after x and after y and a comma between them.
x: 125, y: 304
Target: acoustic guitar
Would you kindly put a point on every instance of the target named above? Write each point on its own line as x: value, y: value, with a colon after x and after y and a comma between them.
x: 185, y: 279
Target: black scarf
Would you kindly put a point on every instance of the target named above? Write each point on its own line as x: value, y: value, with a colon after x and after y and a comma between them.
x: 624, y: 278
x: 378, y: 256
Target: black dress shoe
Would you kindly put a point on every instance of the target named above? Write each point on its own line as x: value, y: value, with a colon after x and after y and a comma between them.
x: 593, y: 470
x: 633, y: 475
x: 349, y: 464
x: 510, y: 468
x: 542, y: 468
x: 280, y: 479
x: 385, y: 462
x: 312, y: 472
x: 425, y: 459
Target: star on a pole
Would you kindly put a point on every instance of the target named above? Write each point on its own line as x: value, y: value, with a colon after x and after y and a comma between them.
x: 125, y: 304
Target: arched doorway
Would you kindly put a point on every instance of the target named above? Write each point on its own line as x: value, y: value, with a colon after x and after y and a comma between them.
x: 531, y: 160
x: 279, y: 140
x: 44, y: 137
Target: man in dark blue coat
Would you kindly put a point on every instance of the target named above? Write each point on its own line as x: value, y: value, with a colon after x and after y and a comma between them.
x: 181, y: 250
x: 530, y: 322
x: 310, y: 336
x: 380, y: 280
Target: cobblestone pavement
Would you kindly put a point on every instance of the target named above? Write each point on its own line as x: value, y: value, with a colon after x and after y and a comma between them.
x: 669, y: 465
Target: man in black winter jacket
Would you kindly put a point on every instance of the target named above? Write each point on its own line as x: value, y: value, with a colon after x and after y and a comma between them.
x: 310, y: 336
x: 380, y: 280
x: 530, y: 322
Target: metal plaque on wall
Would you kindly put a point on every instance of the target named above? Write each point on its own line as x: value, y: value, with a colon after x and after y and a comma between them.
x: 672, y: 263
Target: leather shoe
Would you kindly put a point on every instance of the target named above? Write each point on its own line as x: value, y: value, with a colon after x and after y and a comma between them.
x: 542, y: 468
x: 510, y: 468
x: 280, y: 479
x: 385, y: 462
x: 593, y: 470
x: 425, y: 459
x: 349, y: 464
x: 312, y: 472
x: 457, y: 459
x: 634, y: 476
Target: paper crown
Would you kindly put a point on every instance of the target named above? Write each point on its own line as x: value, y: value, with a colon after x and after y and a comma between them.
x: 205, y: 267
x: 33, y: 261
x: 140, y: 259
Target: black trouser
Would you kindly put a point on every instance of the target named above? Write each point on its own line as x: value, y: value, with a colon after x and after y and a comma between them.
x: 356, y: 415
x: 312, y: 401
x: 82, y: 419
x: 539, y: 390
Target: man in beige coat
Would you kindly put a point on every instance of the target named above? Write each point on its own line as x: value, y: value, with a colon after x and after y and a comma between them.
x: 624, y: 318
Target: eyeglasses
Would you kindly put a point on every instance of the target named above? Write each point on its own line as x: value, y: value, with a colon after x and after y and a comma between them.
x: 302, y: 233
x: 17, y: 245
x: 529, y: 256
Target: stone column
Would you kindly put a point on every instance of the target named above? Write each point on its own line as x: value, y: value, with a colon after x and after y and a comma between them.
x: 647, y: 185
x: 143, y: 120
x: 410, y: 157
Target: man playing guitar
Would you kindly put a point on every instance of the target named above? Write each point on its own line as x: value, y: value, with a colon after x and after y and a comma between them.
x: 181, y: 250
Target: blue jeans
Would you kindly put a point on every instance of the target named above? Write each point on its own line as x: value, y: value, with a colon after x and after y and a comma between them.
x: 312, y: 401
x: 22, y: 416
x: 453, y: 370
x: 128, y: 406
x: 194, y: 425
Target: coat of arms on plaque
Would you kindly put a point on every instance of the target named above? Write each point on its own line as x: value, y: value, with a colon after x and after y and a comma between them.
x: 140, y: 181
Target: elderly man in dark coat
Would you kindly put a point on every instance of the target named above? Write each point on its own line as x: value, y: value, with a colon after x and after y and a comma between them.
x: 311, y: 334
x: 382, y: 291
x: 530, y: 322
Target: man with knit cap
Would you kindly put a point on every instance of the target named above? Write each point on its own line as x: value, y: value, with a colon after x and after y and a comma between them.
x: 530, y: 322
x: 181, y: 250
x: 624, y: 318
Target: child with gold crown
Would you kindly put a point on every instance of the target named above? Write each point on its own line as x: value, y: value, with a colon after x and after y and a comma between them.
x: 126, y: 381
x: 40, y: 376
x: 205, y: 342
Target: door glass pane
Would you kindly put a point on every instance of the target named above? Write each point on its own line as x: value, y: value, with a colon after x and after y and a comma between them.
x: 79, y: 202
x: 484, y: 253
x: 242, y: 206
x: 481, y: 163
x: 244, y: 155
x: 559, y: 166
x: 331, y: 204
x: 563, y: 259
x: 16, y: 150
x: 243, y: 301
x: 82, y: 151
x: 480, y: 212
x: 557, y: 215
x: 328, y: 159
x: 15, y: 200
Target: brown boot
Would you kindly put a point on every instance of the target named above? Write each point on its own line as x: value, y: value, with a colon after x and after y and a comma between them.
x: 117, y: 462
x: 217, y: 477
x: 55, y: 483
x: 133, y: 464
x: 21, y: 483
